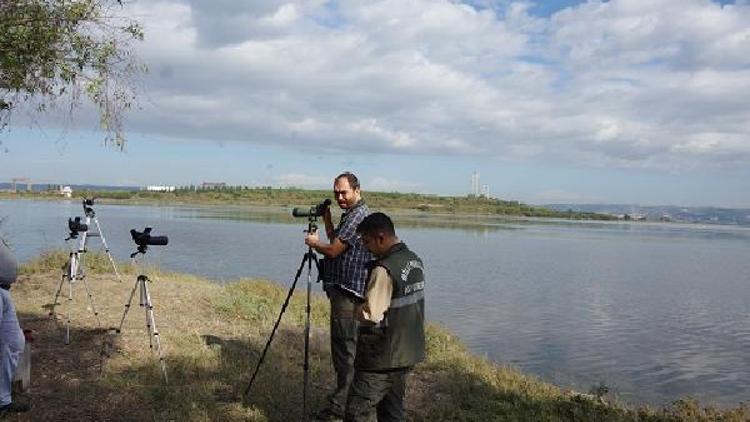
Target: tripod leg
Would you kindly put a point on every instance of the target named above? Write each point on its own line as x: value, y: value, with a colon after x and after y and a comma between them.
x: 145, y: 303
x: 57, y: 294
x: 91, y: 300
x: 276, y: 325
x: 106, y: 249
x: 127, y: 305
x: 306, y: 366
x: 73, y: 263
x: 153, y: 331
x: 70, y: 310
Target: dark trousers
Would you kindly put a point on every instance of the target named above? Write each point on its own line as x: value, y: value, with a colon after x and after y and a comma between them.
x: 378, y: 393
x: 344, y: 330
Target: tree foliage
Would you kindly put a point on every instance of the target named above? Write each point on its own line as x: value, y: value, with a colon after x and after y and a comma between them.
x: 60, y: 49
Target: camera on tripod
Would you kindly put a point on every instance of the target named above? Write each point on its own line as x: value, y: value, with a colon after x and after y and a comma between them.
x: 144, y: 240
x: 75, y: 226
x: 88, y: 204
x: 312, y: 212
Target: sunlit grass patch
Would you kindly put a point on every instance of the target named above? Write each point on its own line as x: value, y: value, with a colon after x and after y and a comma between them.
x: 261, y: 301
x: 55, y: 260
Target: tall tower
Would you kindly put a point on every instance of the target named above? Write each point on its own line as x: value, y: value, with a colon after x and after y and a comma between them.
x: 475, y: 184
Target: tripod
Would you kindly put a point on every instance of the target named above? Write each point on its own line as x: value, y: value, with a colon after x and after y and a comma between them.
x: 308, y: 258
x: 74, y: 270
x: 141, y: 284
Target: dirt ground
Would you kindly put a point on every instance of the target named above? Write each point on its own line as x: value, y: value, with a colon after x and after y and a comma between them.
x: 71, y: 382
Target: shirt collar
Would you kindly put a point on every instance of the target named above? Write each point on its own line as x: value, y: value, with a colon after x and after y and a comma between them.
x: 393, y: 249
x: 357, y: 205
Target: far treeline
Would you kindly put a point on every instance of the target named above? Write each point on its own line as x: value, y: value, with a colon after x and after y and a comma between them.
x: 294, y: 197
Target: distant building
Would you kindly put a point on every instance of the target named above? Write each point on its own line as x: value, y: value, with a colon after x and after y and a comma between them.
x: 474, y: 184
x: 213, y: 185
x: 65, y: 191
x: 21, y: 180
x: 159, y: 188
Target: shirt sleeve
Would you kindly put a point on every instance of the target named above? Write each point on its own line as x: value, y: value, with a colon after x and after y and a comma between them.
x: 378, y: 295
x: 347, y: 231
x: 8, y: 265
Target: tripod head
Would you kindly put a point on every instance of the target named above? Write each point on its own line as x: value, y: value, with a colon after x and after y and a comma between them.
x: 312, y: 214
x: 88, y: 205
x: 144, y: 240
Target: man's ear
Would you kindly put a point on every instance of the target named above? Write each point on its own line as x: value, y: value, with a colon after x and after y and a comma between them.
x: 381, y: 238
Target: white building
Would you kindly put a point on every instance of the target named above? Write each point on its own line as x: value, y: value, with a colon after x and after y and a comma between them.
x: 160, y: 188
x: 65, y: 191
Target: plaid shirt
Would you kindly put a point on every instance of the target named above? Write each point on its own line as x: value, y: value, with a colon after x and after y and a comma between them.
x: 348, y: 271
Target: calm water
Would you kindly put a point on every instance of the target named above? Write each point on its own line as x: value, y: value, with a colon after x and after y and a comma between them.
x: 655, y: 311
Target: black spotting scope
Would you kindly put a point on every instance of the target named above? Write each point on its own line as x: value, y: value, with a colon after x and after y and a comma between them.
x: 75, y: 226
x: 144, y: 238
x: 315, y: 211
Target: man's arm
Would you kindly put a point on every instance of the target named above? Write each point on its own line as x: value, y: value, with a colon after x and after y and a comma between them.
x: 377, y: 297
x: 329, y: 250
x: 329, y: 224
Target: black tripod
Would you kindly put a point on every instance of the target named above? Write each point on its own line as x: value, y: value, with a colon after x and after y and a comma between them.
x: 308, y: 259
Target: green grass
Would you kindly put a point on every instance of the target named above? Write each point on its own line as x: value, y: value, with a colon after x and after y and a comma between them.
x: 55, y: 260
x: 261, y: 300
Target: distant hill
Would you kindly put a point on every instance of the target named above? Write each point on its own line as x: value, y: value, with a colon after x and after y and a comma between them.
x: 703, y: 215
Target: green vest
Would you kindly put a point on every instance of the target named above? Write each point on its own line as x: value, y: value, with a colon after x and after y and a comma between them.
x: 398, y: 341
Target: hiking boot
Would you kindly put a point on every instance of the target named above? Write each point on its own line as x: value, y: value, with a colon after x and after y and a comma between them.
x: 327, y: 415
x: 14, y: 407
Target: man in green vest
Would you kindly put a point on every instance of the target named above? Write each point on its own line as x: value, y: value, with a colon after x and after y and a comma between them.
x: 391, y: 335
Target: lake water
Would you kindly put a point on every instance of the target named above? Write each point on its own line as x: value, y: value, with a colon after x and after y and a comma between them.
x: 654, y: 311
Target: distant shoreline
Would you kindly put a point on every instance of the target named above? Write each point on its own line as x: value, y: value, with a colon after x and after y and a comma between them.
x: 419, y: 204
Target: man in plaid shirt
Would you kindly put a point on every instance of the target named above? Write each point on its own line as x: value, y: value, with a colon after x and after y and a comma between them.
x: 344, y: 276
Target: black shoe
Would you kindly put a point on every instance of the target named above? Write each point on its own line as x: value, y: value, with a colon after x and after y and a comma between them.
x: 14, y: 407
x: 327, y: 415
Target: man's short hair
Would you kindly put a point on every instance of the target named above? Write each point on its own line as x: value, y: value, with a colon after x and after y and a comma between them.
x: 350, y: 177
x: 376, y: 223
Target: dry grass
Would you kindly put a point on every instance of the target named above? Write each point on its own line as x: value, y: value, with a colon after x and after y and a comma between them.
x: 212, y: 337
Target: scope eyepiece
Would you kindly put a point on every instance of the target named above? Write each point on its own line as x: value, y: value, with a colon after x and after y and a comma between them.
x: 316, y: 211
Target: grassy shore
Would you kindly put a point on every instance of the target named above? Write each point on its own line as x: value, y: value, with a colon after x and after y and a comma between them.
x: 213, y: 335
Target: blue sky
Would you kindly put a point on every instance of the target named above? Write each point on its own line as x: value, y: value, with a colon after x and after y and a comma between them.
x: 559, y: 101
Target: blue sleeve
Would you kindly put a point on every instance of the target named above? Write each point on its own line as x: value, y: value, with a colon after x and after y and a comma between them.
x: 347, y: 231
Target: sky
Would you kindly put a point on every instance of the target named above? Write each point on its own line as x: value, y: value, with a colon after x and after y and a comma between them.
x: 622, y: 101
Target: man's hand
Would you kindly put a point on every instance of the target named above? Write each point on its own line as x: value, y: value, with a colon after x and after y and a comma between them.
x: 312, y: 239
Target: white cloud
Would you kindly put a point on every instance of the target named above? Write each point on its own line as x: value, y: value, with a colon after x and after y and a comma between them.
x: 658, y: 84
x: 301, y: 180
x: 563, y: 197
x: 382, y: 184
